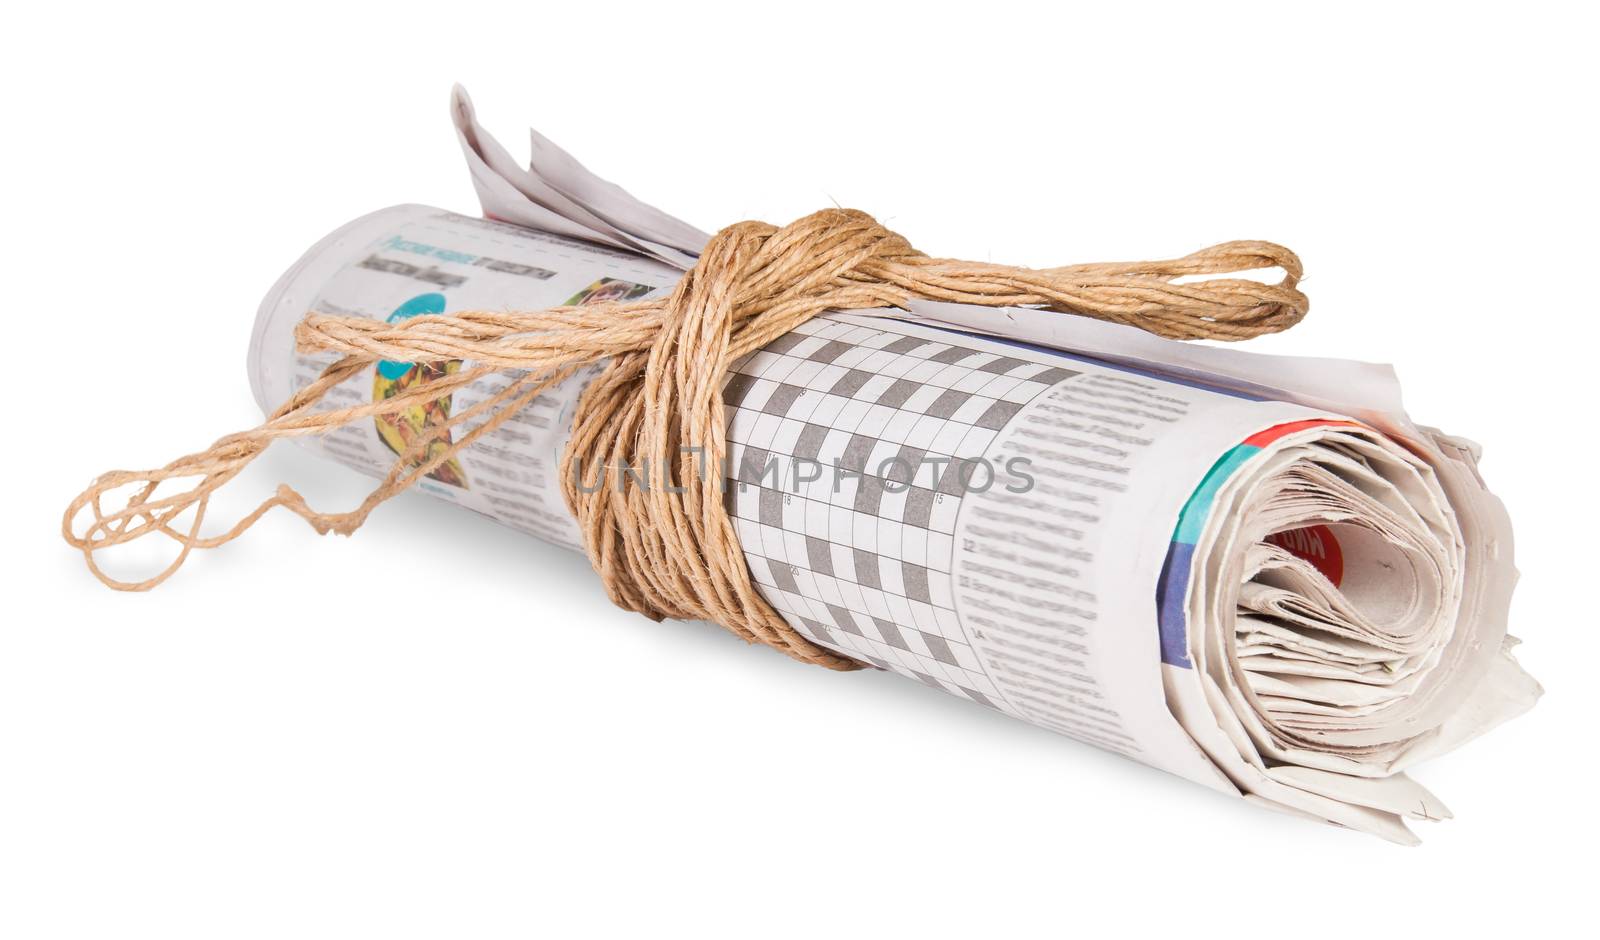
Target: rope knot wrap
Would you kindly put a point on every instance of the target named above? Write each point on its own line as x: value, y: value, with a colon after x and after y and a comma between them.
x: 667, y: 548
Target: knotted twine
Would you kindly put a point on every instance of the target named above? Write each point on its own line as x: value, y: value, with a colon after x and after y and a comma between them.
x: 668, y: 550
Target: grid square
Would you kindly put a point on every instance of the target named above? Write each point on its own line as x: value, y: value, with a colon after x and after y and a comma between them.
x: 866, y: 565
x: 782, y: 576
x: 819, y: 554
x: 829, y: 351
x: 809, y: 444
x: 850, y: 383
x: 781, y: 398
x: 784, y: 343
x: 771, y: 507
x: 890, y: 634
x: 996, y: 415
x: 898, y: 391
x: 919, y: 507
x: 915, y: 578
x: 905, y: 344
x: 1000, y: 365
x: 869, y: 493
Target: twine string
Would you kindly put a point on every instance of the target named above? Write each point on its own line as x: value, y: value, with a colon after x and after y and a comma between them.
x: 667, y: 549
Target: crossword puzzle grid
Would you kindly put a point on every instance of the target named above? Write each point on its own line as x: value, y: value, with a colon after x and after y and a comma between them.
x: 860, y: 561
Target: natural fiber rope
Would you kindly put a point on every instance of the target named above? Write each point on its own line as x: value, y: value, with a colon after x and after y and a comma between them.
x: 659, y: 552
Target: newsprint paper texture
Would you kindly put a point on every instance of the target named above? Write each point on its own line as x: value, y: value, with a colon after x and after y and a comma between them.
x: 1250, y: 571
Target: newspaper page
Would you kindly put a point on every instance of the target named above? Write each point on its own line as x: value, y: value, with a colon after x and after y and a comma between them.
x: 1254, y: 572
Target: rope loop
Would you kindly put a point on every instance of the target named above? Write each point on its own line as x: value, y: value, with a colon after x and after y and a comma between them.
x: 668, y: 548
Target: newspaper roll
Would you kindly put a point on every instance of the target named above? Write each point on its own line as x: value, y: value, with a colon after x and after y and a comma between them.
x: 1281, y: 590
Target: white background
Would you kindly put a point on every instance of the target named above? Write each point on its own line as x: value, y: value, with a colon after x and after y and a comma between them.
x: 441, y: 728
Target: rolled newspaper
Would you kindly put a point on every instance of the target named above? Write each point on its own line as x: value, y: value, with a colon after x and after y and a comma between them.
x: 1254, y: 572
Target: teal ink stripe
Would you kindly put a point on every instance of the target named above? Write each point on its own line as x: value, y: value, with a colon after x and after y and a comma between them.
x: 1193, y: 518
